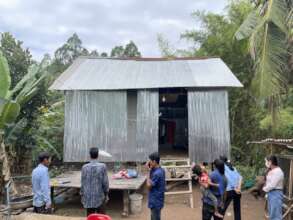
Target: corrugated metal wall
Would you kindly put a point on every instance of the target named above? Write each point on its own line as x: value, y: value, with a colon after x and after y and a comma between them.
x: 147, y: 132
x: 208, y: 125
x: 95, y: 119
x: 122, y: 123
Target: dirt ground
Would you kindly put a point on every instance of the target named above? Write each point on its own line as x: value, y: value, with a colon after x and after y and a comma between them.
x: 176, y: 207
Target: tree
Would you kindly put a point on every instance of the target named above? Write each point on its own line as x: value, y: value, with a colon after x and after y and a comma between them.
x: 19, y: 59
x: 165, y: 47
x: 68, y: 52
x: 104, y: 54
x: 216, y: 38
x: 268, y: 29
x: 94, y: 53
x: 131, y: 50
x: 117, y: 51
x: 11, y: 104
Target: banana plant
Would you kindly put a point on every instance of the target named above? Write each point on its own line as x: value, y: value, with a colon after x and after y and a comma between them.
x: 11, y: 102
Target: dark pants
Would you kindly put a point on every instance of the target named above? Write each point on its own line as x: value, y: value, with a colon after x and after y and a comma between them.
x: 99, y: 210
x: 42, y: 210
x: 155, y: 214
x: 232, y: 195
x: 208, y: 212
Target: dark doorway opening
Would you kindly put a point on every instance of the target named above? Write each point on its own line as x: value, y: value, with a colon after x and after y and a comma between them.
x: 173, y: 123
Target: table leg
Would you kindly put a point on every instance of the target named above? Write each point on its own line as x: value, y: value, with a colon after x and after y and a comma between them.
x: 125, y: 212
x: 52, y: 198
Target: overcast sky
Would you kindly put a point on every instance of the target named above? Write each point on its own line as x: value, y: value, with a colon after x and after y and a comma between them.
x: 43, y: 26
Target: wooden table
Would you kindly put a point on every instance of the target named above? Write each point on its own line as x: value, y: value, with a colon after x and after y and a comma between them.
x: 72, y: 179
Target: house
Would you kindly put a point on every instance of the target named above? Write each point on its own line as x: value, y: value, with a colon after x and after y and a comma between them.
x: 135, y: 106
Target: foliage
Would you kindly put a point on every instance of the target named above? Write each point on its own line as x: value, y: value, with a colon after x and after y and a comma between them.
x: 49, y: 135
x: 13, y: 101
x: 267, y: 29
x: 69, y: 51
x: 216, y: 38
x: 18, y: 59
x: 130, y: 50
x: 165, y: 47
x: 284, y: 128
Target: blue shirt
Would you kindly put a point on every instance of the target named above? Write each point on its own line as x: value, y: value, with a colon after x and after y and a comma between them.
x: 157, y: 192
x: 41, y: 186
x: 233, y: 178
x: 217, y: 178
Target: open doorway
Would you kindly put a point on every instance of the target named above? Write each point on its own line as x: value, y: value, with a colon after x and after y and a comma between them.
x: 173, y: 123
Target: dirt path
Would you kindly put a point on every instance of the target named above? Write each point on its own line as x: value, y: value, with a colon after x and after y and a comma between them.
x: 175, y: 208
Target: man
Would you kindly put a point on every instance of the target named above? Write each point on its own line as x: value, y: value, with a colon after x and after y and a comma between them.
x: 156, y: 184
x: 41, y: 185
x: 94, y: 184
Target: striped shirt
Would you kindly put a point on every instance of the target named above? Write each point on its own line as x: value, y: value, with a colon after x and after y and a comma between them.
x: 94, y: 184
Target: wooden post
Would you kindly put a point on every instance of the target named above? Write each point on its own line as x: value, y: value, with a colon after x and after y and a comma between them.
x: 125, y: 212
x: 290, y: 190
x: 52, y: 199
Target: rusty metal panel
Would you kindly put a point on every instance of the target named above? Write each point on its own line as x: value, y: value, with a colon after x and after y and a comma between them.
x: 208, y: 124
x: 147, y: 123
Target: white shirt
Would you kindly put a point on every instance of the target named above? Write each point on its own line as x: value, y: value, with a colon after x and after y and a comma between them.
x: 275, y: 180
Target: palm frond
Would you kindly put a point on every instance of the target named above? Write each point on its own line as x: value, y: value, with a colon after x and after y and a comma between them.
x: 270, y: 63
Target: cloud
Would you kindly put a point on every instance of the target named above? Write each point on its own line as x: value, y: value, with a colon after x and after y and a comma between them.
x: 43, y: 26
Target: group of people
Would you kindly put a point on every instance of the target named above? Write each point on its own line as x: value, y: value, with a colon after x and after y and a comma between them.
x: 95, y: 185
x: 219, y: 187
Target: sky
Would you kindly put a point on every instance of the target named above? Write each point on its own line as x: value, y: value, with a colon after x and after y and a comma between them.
x: 44, y: 26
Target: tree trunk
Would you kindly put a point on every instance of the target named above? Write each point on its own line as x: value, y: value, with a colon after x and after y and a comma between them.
x: 5, y: 173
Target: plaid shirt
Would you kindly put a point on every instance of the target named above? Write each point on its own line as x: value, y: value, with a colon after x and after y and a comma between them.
x: 94, y: 184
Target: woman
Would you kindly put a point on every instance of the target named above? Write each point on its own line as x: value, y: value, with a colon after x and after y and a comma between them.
x: 233, y: 190
x: 274, y: 188
x: 217, y: 177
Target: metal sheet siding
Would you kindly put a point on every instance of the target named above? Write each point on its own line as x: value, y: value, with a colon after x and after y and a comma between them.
x: 208, y: 123
x: 95, y: 119
x: 112, y: 74
x: 147, y: 123
x: 125, y: 124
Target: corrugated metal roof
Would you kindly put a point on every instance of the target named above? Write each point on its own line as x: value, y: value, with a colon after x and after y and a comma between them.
x: 139, y: 73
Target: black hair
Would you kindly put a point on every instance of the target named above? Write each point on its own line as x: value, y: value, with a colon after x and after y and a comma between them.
x: 225, y: 160
x: 155, y: 157
x: 43, y: 155
x: 273, y: 159
x: 94, y: 152
x: 220, y: 166
x: 205, y: 164
x: 197, y: 170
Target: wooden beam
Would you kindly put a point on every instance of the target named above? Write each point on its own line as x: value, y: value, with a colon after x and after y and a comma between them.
x: 178, y: 193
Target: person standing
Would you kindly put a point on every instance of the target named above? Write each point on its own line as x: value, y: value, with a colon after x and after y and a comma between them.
x: 233, y: 190
x: 217, y: 177
x: 94, y: 184
x: 156, y: 185
x: 274, y: 188
x: 41, y: 185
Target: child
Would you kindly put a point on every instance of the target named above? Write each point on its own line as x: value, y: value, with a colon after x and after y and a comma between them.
x: 205, y: 182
